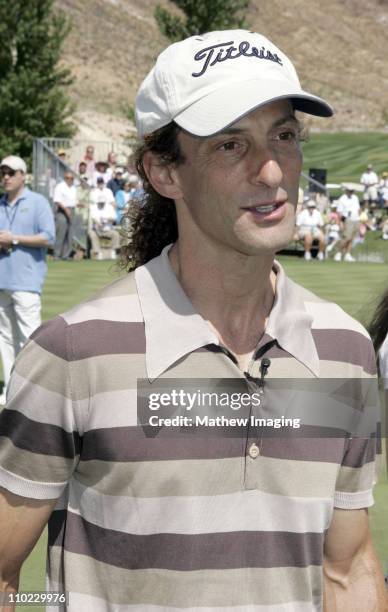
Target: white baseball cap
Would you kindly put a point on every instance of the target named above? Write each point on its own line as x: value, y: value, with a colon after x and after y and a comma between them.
x: 15, y: 163
x: 207, y: 82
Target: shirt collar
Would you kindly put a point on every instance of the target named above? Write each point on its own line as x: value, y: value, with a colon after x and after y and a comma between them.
x: 173, y: 328
x: 23, y: 195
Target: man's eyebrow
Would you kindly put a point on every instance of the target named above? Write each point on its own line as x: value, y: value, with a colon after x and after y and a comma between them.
x: 234, y: 130
x: 285, y: 119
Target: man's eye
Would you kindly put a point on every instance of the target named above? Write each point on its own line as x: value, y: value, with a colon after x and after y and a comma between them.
x: 288, y: 135
x: 228, y: 146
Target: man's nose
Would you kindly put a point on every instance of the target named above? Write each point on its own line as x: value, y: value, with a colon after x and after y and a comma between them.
x: 269, y: 174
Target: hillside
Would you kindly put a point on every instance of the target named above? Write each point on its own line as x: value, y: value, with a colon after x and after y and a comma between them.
x: 338, y: 47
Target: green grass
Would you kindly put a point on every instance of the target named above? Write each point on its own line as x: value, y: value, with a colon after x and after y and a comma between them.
x: 345, y: 155
x: 355, y: 287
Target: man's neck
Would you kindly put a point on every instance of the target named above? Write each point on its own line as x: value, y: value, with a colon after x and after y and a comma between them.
x: 233, y: 292
x: 13, y: 196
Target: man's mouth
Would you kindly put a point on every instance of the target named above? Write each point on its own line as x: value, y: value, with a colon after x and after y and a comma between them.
x: 266, y: 208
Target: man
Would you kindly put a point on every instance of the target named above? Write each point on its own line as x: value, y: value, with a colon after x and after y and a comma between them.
x: 349, y: 211
x: 116, y: 182
x: 177, y: 517
x: 370, y: 181
x: 310, y: 224
x: 89, y: 161
x: 100, y: 172
x: 26, y: 230
x: 82, y: 173
x: 102, y: 219
x: 65, y: 201
x: 101, y: 193
x: 62, y: 155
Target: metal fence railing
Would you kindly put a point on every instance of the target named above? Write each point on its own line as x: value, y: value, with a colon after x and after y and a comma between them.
x: 49, y: 168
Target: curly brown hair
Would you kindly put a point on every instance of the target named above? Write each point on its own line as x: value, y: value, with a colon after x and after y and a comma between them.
x: 151, y: 223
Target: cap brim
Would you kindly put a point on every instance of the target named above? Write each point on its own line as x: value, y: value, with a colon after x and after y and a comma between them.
x: 220, y: 109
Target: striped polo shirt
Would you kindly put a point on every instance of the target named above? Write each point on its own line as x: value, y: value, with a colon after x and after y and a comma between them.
x: 184, y: 518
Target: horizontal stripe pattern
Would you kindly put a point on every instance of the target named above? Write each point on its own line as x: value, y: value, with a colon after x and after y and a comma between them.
x: 207, y: 477
x: 194, y: 515
x: 172, y: 519
x: 139, y: 444
x: 93, y: 604
x: 177, y: 589
x: 186, y: 552
x: 38, y: 438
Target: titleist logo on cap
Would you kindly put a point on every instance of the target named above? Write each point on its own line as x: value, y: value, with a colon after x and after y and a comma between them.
x: 231, y: 52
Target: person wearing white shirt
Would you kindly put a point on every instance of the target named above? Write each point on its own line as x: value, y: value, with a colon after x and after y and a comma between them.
x: 383, y: 189
x: 309, y: 223
x: 101, y: 171
x: 65, y: 200
x: 349, y: 211
x: 102, y: 194
x: 370, y: 181
x: 102, y: 218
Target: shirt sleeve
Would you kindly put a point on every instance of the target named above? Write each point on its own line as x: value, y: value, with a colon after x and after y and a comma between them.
x: 46, y: 223
x: 40, y: 428
x: 58, y: 193
x: 359, y: 469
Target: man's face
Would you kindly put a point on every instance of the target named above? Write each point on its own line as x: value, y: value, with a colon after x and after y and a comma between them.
x: 240, y: 187
x: 11, y: 180
x: 69, y: 179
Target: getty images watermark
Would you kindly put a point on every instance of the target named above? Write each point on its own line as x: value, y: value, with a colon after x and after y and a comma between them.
x: 308, y: 407
x: 208, y: 402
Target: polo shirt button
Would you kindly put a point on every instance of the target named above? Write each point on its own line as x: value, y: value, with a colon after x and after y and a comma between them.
x: 254, y: 451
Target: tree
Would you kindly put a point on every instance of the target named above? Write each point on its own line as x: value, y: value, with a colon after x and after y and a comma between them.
x: 33, y: 99
x: 200, y: 16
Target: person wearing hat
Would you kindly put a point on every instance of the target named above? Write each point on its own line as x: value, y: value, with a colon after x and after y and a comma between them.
x: 62, y: 155
x: 26, y: 230
x: 117, y: 181
x: 370, y: 181
x: 149, y: 510
x: 349, y: 209
x: 310, y: 223
x: 101, y: 171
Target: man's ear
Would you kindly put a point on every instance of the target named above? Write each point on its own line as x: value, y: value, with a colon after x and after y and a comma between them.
x: 162, y: 177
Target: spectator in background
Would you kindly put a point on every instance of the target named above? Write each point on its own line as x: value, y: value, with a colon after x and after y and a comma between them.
x: 383, y: 189
x: 116, y: 182
x: 111, y: 164
x: 62, y: 155
x: 89, y: 161
x: 370, y: 181
x: 82, y: 172
x: 102, y: 218
x: 83, y: 199
x: 333, y: 229
x: 349, y: 210
x: 128, y: 194
x: 65, y: 201
x: 384, y: 230
x: 100, y: 172
x: 102, y: 194
x: 310, y: 223
x: 26, y: 230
